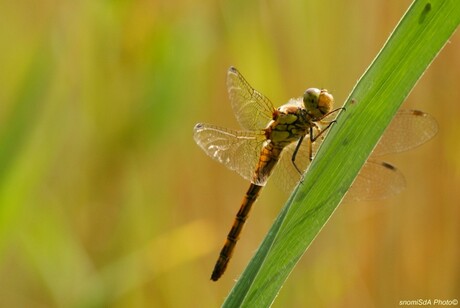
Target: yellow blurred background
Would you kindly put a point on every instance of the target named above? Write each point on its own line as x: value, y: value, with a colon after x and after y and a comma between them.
x: 105, y: 200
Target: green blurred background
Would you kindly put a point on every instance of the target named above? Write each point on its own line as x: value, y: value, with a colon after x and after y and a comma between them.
x: 105, y: 200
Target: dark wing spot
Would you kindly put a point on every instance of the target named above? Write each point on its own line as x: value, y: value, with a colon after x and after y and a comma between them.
x: 388, y: 166
x: 198, y: 126
x: 418, y: 113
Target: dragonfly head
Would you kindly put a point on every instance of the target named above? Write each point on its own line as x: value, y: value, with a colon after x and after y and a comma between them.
x: 318, y: 102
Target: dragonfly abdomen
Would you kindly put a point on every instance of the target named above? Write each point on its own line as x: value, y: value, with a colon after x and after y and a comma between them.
x: 234, y: 234
x: 269, y: 157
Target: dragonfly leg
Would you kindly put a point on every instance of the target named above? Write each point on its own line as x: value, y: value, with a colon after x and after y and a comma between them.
x: 320, y: 132
x: 313, y: 138
x: 334, y: 111
x: 310, y: 147
x: 295, y: 154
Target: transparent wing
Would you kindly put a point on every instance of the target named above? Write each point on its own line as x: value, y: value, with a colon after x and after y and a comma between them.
x: 237, y: 150
x: 252, y: 109
x: 409, y: 129
x: 376, y: 180
x: 379, y: 180
x: 285, y: 174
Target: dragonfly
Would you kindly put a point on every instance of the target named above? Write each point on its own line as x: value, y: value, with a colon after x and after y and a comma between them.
x: 270, y: 146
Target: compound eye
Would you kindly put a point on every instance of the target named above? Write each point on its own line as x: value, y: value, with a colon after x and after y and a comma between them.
x: 310, y: 97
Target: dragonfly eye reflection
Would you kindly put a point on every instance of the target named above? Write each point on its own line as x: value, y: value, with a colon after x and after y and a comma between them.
x: 280, y: 144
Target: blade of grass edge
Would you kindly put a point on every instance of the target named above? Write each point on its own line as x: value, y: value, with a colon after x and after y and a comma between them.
x: 415, y: 42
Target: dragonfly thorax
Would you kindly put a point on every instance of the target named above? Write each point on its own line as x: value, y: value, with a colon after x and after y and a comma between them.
x: 290, y: 122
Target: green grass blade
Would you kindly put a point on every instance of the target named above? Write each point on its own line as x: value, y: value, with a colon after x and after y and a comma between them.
x: 415, y: 42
